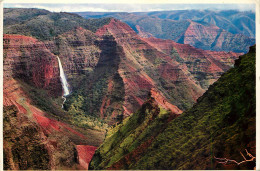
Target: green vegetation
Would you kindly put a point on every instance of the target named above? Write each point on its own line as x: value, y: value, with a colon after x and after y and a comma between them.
x: 52, y: 106
x: 45, y: 25
x: 86, y: 101
x: 221, y: 124
x: 178, y: 93
x: 175, y: 55
x: 122, y: 139
x: 44, y: 101
x: 81, y: 118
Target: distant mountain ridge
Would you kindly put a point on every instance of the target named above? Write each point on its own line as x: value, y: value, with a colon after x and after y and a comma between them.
x: 233, y: 21
x: 193, y: 27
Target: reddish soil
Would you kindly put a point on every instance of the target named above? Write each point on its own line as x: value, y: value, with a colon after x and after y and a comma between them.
x: 14, y: 95
x: 85, y: 153
x: 162, y: 102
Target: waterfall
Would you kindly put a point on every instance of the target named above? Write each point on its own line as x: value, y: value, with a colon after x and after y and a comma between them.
x: 65, y: 85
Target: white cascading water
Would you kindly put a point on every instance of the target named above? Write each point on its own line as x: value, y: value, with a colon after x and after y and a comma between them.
x: 64, y: 82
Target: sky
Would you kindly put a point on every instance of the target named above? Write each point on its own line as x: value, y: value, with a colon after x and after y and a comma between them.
x: 128, y: 7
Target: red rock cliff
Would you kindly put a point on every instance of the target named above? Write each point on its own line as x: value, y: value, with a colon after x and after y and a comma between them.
x: 28, y: 59
x: 181, y: 72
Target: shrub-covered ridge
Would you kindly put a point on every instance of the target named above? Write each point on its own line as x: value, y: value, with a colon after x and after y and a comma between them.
x: 220, y: 125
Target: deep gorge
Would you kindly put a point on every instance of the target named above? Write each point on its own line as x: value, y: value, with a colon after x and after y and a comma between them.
x: 96, y: 87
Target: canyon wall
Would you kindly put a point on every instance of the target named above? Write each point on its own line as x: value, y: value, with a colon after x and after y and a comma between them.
x: 28, y: 59
x: 114, y: 70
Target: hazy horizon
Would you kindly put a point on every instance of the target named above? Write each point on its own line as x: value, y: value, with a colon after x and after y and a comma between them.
x: 130, y: 7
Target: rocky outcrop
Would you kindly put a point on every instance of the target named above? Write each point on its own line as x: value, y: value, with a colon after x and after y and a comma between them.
x: 145, y: 125
x: 203, y: 65
x: 211, y: 37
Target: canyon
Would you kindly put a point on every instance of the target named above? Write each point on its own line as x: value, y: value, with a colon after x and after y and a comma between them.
x: 118, y: 61
x: 113, y: 75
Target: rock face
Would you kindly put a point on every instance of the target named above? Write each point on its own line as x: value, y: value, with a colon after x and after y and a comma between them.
x: 28, y: 59
x: 160, y: 100
x: 140, y: 66
x: 111, y: 73
x: 85, y: 153
x: 211, y: 37
x: 77, y: 49
x: 233, y: 21
x: 181, y: 73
